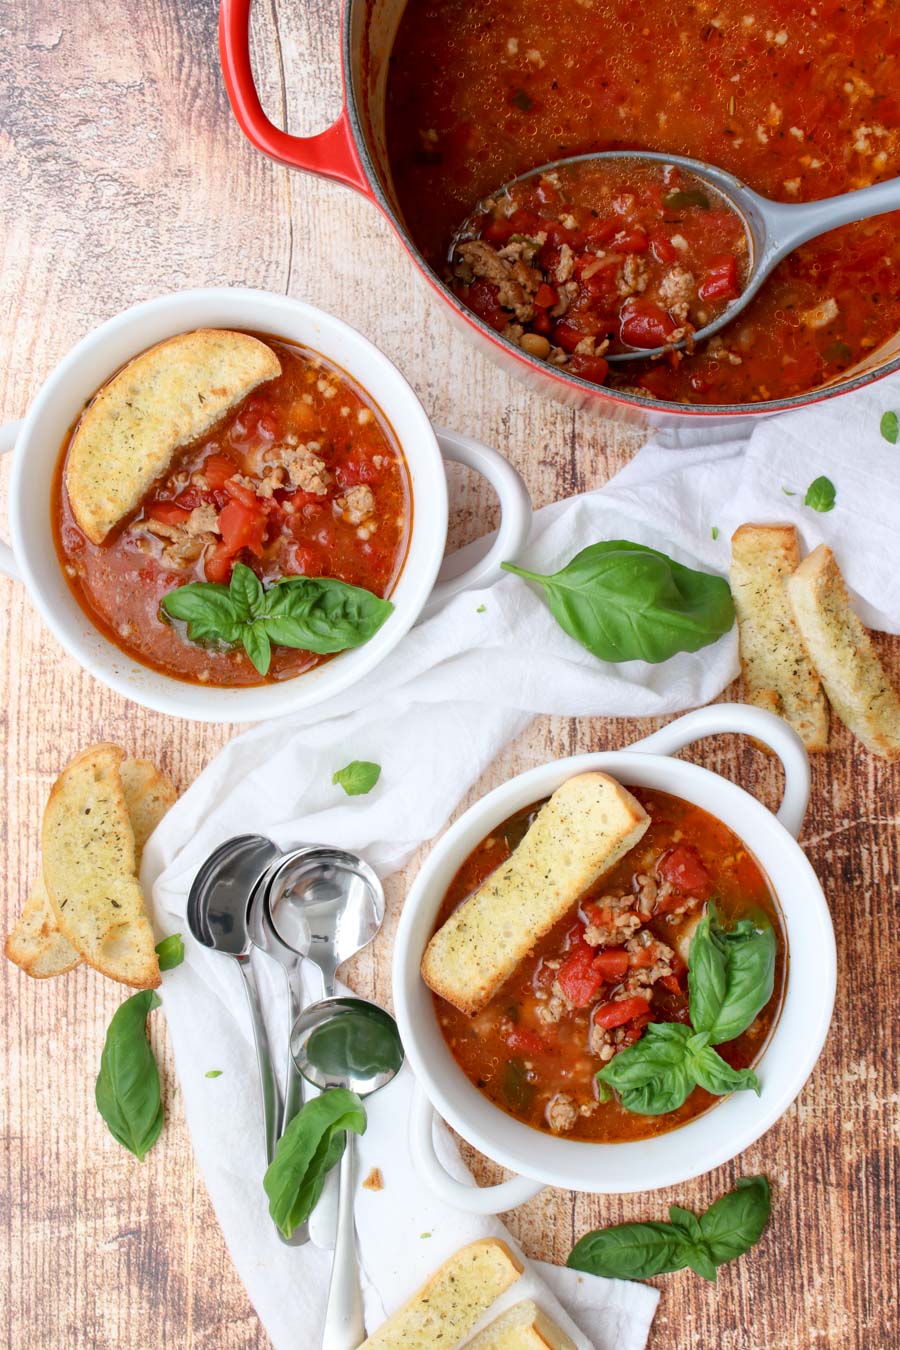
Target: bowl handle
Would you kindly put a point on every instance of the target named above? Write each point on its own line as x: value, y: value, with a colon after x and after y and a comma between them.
x: 763, y: 726
x: 515, y: 516
x: 476, y: 1199
x: 331, y: 154
x: 8, y: 437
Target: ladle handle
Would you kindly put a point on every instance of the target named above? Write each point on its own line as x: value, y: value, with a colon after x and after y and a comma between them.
x: 293, y: 1087
x: 788, y: 225
x: 345, y: 1327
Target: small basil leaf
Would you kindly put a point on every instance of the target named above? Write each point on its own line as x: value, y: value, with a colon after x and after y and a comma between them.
x: 890, y: 427
x: 170, y: 951
x: 629, y: 1251
x: 206, y: 608
x: 731, y: 975
x: 686, y: 1222
x: 710, y: 1071
x: 246, y: 591
x: 624, y: 602
x: 820, y: 494
x: 653, y: 1075
x: 736, y: 1222
x: 698, y: 1259
x: 322, y: 615
x: 257, y: 645
x: 358, y: 777
x: 689, y: 197
x: 213, y: 1073
x: 310, y: 1146
x: 127, y: 1091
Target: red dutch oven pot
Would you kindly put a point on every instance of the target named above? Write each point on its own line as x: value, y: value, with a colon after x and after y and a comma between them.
x: 353, y: 151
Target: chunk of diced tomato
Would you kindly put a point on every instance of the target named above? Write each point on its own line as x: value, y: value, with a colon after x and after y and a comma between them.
x: 610, y: 1015
x: 218, y: 565
x: 721, y: 280
x: 612, y: 964
x: 546, y: 296
x: 524, y: 1042
x: 588, y: 367
x: 242, y: 526
x: 662, y: 248
x: 672, y: 983
x: 645, y: 325
x: 643, y: 957
x: 683, y: 868
x: 578, y: 979
x: 482, y: 299
x: 631, y: 241
x: 217, y: 470
x: 168, y: 513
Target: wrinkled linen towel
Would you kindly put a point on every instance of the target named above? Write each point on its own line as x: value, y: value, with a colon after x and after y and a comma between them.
x: 434, y: 715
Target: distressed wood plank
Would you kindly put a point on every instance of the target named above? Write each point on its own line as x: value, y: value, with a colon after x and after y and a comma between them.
x: 122, y: 175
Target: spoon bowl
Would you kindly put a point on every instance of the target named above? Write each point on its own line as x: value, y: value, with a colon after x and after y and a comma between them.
x: 773, y: 229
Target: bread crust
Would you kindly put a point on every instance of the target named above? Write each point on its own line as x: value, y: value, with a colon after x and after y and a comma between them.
x: 843, y: 653
x: 522, y: 1327
x: 777, y: 672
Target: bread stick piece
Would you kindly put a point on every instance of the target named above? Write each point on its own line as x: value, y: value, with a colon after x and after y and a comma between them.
x: 522, y: 1327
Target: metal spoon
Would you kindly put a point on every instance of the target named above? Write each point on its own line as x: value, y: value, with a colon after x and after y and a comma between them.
x: 217, y: 915
x: 346, y: 1043
x: 774, y: 229
x: 324, y: 904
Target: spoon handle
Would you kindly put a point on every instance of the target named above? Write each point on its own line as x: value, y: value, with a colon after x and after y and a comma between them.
x: 267, y: 1080
x: 345, y: 1327
x: 293, y: 1085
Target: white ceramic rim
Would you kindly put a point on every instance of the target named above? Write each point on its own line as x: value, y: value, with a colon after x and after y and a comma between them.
x: 730, y: 1126
x: 85, y: 368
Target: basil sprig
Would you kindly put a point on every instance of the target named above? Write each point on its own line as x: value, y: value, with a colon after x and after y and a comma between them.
x: 127, y: 1091
x: 315, y: 614
x: 310, y: 1146
x: 731, y: 975
x: 626, y: 602
x: 638, y: 1251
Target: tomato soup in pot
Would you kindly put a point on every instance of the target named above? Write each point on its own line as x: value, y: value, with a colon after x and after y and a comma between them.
x: 798, y: 102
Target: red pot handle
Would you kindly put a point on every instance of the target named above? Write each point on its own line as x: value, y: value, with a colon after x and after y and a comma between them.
x: 332, y: 153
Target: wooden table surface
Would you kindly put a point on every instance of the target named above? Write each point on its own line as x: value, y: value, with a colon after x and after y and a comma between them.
x: 123, y: 175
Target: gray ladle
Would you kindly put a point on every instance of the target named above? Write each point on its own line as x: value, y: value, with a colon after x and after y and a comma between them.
x: 346, y: 1043
x: 774, y: 229
x: 217, y: 915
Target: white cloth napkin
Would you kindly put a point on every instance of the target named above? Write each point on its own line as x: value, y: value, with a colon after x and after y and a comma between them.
x: 434, y: 714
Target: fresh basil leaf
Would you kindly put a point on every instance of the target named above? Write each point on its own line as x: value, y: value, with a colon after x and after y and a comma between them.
x: 626, y: 602
x: 127, y: 1091
x: 206, y: 608
x: 246, y: 591
x: 688, y: 197
x: 213, y: 1073
x: 358, y: 777
x: 310, y: 1146
x: 820, y: 495
x: 710, y: 1071
x: 731, y: 975
x: 890, y: 427
x: 736, y: 1221
x: 322, y: 614
x: 170, y: 951
x: 629, y: 1251
x: 256, y: 642
x: 652, y: 1076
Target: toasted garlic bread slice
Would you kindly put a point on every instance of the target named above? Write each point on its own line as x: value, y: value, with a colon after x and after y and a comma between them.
x: 582, y: 831
x: 448, y: 1305
x: 778, y: 674
x: 90, y: 866
x: 36, y: 943
x: 841, y: 650
x: 522, y: 1327
x: 163, y: 399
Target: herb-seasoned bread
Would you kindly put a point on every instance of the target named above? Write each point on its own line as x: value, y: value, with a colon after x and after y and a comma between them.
x: 582, y: 831
x: 842, y: 652
x: 778, y: 674
x: 522, y: 1327
x: 36, y: 943
x: 163, y: 399
x: 448, y: 1305
x: 90, y: 864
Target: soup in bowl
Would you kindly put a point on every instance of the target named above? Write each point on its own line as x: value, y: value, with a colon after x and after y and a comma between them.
x: 577, y: 1037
